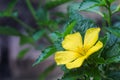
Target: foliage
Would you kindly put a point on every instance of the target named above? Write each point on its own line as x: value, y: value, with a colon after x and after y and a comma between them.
x: 42, y: 19
x: 45, y: 54
x: 103, y: 65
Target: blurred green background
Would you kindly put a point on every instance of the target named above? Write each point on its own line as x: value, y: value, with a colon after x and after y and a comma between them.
x: 26, y: 27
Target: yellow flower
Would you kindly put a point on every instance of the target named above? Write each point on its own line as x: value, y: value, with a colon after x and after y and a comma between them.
x: 75, y: 51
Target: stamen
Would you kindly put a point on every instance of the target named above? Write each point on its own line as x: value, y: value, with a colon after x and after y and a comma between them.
x: 82, y: 51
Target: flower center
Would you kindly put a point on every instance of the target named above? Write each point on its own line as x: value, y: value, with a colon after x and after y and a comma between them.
x: 82, y: 51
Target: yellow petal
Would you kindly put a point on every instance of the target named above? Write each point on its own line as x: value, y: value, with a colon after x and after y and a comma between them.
x: 95, y: 48
x: 72, y: 42
x: 63, y: 57
x: 91, y: 37
x: 77, y: 63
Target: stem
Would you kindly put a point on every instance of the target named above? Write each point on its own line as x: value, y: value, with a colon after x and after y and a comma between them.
x: 35, y: 17
x: 23, y: 24
x: 31, y: 9
x: 109, y: 16
x: 31, y: 29
x: 109, y: 13
x: 40, y: 2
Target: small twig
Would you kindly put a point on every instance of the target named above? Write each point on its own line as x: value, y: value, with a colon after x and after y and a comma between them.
x: 31, y: 9
x: 24, y: 24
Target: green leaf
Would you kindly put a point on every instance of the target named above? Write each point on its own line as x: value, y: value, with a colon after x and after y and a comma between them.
x: 10, y: 7
x: 55, y: 36
x: 42, y: 15
x: 8, y: 11
x: 1, y: 14
x: 13, y: 32
x: 117, y: 9
x: 111, y: 1
x: 114, y: 59
x: 82, y: 23
x: 113, y: 53
x: 9, y: 31
x: 117, y: 24
x: 38, y: 35
x: 47, y: 71
x: 22, y: 53
x: 91, y: 6
x: 114, y: 30
x: 115, y: 75
x: 26, y: 39
x: 93, y: 72
x: 45, y: 54
x: 105, y: 40
x: 58, y: 44
x: 55, y: 3
x: 99, y: 60
x: 69, y: 28
x: 111, y: 42
x: 82, y: 73
x: 73, y: 74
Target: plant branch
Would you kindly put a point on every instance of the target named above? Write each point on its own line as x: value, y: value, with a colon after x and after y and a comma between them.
x: 31, y: 9
x: 109, y: 13
x: 109, y: 17
x: 23, y: 24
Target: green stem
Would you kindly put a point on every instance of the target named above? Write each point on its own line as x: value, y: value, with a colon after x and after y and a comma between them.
x: 35, y: 17
x: 11, y: 6
x: 23, y: 24
x: 109, y: 13
x: 31, y: 9
x: 109, y: 17
x: 40, y: 2
x: 31, y: 30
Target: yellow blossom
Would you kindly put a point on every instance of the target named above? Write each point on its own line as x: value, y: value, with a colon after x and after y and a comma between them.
x: 76, y: 51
